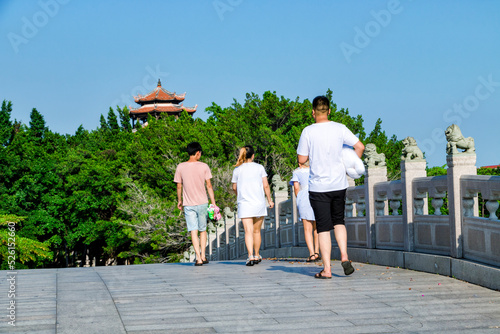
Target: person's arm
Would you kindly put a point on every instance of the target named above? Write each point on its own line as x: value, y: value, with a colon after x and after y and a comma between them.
x: 179, y: 196
x: 234, y: 189
x: 296, y: 188
x: 302, y: 159
x: 359, y: 148
x: 210, y: 190
x: 267, y: 190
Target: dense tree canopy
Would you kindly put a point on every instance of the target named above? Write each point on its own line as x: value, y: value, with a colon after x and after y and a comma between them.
x: 109, y: 193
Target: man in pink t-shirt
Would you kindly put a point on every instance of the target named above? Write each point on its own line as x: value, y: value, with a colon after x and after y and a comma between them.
x: 191, y: 177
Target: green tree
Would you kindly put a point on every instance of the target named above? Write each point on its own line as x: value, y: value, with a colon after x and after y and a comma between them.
x: 104, y: 124
x: 6, y: 129
x: 37, y: 124
x: 124, y: 118
x: 19, y: 252
x: 112, y: 120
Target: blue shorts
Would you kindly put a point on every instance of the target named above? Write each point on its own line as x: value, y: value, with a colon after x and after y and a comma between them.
x: 196, y: 217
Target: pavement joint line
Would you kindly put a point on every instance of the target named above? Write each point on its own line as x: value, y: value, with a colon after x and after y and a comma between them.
x: 114, y: 303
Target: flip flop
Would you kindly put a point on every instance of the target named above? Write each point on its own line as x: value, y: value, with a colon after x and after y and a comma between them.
x: 348, y: 268
x: 320, y: 276
x: 310, y: 258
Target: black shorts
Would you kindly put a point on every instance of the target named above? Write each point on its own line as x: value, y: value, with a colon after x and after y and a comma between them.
x: 329, y: 209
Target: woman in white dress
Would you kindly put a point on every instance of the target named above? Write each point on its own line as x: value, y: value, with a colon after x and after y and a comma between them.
x: 251, y: 186
x: 300, y: 182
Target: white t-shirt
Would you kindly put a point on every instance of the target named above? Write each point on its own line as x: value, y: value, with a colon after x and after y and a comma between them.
x: 322, y: 143
x: 251, y: 196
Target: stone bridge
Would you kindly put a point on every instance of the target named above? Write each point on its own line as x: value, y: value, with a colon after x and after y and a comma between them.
x: 395, y: 223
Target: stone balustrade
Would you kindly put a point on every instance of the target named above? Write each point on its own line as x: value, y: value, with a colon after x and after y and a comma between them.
x: 393, y: 222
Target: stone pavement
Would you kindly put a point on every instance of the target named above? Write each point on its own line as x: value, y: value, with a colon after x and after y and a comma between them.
x: 228, y: 297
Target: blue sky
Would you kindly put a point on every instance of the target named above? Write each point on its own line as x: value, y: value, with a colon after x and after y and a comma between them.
x: 420, y: 66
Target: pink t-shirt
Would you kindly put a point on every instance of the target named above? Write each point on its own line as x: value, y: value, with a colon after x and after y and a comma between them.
x: 192, y: 176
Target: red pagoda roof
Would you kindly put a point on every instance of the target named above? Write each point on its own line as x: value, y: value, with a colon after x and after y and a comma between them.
x: 162, y: 107
x: 159, y: 94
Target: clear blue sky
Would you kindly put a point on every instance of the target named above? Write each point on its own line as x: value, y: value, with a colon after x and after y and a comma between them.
x: 418, y: 65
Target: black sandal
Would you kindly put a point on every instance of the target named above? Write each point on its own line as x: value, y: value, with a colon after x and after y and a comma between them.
x: 348, y: 268
x: 320, y: 275
x: 310, y: 258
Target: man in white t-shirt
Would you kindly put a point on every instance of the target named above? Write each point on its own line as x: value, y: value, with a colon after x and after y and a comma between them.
x: 321, y: 143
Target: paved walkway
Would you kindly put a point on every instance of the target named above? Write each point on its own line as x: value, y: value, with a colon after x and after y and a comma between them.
x: 228, y: 297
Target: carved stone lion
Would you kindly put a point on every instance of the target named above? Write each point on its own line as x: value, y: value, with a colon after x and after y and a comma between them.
x: 372, y: 158
x: 457, y: 140
x: 411, y: 150
x: 278, y: 184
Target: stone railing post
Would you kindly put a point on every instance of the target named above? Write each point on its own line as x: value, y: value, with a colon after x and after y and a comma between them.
x: 409, y: 171
x: 295, y: 218
x: 280, y: 196
x: 373, y: 176
x: 230, y: 221
x: 458, y: 165
x: 212, y: 235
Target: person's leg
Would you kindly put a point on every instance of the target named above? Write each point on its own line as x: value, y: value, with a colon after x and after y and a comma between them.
x: 257, y: 240
x: 308, y: 235
x: 337, y: 211
x: 190, y: 213
x: 338, y: 208
x: 196, y: 245
x: 202, y: 227
x: 315, y: 237
x: 320, y: 203
x: 341, y: 237
x: 203, y: 245
x: 325, y: 246
x: 248, y: 226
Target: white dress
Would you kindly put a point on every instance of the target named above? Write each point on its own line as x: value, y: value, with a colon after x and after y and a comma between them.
x: 251, y: 197
x: 301, y: 175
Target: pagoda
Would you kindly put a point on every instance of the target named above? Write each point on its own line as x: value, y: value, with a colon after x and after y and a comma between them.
x: 158, y: 102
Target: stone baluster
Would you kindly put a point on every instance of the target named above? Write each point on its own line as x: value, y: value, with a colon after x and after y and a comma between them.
x: 395, y: 204
x: 349, y: 206
x: 492, y: 207
x: 360, y: 207
x: 380, y: 200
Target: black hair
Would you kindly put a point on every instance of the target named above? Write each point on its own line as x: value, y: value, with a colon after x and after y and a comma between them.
x: 321, y: 103
x: 193, y: 147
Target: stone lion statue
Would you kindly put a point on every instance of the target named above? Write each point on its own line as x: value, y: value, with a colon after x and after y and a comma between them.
x: 411, y: 150
x: 278, y: 184
x: 372, y: 158
x: 457, y: 140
